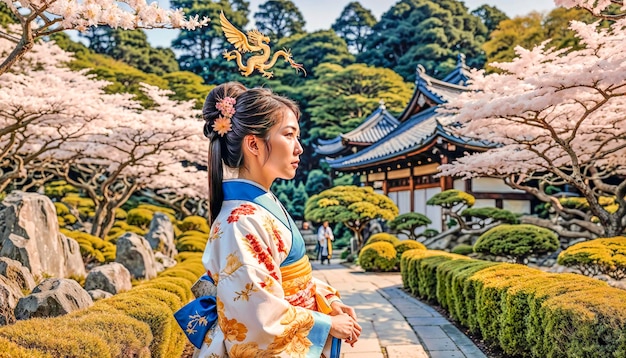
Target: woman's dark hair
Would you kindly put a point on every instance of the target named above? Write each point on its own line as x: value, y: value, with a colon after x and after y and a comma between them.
x: 256, y: 112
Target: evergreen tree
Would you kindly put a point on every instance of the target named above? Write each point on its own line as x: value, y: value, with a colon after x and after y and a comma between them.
x: 342, y: 97
x: 317, y: 181
x: 354, y: 25
x: 491, y: 16
x: 131, y: 47
x: 426, y: 32
x: 201, y: 49
x: 279, y: 18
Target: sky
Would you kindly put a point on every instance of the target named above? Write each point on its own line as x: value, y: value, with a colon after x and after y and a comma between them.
x: 321, y: 14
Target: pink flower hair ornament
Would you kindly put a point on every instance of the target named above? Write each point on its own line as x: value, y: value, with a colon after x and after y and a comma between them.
x: 222, y: 124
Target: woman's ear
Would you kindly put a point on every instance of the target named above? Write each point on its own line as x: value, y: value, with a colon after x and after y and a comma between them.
x: 251, y: 144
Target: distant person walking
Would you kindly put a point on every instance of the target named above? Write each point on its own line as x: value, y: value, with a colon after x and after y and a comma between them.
x: 325, y: 238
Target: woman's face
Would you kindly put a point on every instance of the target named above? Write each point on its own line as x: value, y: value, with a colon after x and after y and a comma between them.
x: 285, y: 149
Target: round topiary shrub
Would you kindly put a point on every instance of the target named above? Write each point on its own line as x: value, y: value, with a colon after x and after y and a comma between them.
x: 379, y: 256
x: 517, y: 241
x: 607, y: 256
x: 196, y: 223
x: 406, y: 245
x: 383, y: 236
x: 139, y: 217
x: 462, y: 249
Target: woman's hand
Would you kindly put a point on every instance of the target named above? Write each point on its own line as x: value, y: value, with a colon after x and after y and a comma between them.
x: 340, y: 309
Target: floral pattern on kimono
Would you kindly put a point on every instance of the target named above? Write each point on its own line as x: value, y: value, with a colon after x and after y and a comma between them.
x: 247, y: 245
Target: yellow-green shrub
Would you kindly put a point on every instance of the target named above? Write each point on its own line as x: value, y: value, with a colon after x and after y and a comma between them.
x: 184, y: 256
x: 379, y: 256
x: 10, y: 349
x: 517, y: 241
x: 462, y: 249
x: 139, y: 217
x: 120, y: 228
x: 527, y: 312
x: 93, y: 248
x: 191, y: 243
x: 85, y: 206
x: 607, y: 256
x: 61, y: 209
x: 197, y: 223
x: 405, y: 245
x: 383, y: 236
x: 58, y: 189
x: 179, y: 273
x: 52, y: 336
x: 120, y: 214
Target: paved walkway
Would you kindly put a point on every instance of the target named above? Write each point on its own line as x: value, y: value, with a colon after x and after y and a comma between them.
x: 395, y: 324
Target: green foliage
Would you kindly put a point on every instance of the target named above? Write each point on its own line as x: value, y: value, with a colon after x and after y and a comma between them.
x: 278, y: 19
x: 201, y: 49
x: 292, y: 196
x: 353, y: 206
x: 462, y: 249
x: 194, y: 222
x: 354, y: 25
x: 526, y: 312
x: 495, y: 214
x: 451, y: 198
x: 312, y: 49
x: 382, y: 236
x: 517, y: 241
x: 341, y: 97
x: 93, y: 248
x: 431, y: 33
x: 491, y: 16
x: 61, y: 209
x: 6, y: 16
x: 378, y: 256
x: 85, y: 206
x: 187, y: 86
x: 408, y: 223
x: 406, y: 245
x: 58, y: 189
x: 131, y: 47
x: 531, y: 30
x: 142, y: 215
x: 120, y: 214
x: 120, y: 228
x: 607, y: 256
x: 191, y: 243
x: 317, y: 181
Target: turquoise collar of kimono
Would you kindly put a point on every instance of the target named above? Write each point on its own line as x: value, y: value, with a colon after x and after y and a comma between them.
x: 241, y: 189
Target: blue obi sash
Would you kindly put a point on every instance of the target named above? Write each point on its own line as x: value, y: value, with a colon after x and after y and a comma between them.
x: 198, y: 317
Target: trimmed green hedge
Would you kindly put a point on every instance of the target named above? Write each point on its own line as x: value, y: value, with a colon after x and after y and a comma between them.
x: 379, y: 256
x: 137, y: 323
x: 527, y: 312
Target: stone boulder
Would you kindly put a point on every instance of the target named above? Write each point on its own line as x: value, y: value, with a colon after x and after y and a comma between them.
x: 29, y: 233
x: 113, y: 278
x: 163, y: 262
x: 16, y: 273
x: 10, y: 294
x: 135, y: 253
x: 53, y: 297
x: 161, y: 235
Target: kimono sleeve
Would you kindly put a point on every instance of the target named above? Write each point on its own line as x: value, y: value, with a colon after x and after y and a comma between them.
x: 253, y: 315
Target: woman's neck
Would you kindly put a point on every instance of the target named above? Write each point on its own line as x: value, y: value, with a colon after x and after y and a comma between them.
x: 247, y: 175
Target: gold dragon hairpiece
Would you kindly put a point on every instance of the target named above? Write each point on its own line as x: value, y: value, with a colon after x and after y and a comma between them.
x: 252, y: 42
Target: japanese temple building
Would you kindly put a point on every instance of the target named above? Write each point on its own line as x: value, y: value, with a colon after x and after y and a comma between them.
x: 400, y: 156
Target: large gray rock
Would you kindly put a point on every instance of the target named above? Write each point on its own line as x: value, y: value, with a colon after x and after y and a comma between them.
x: 113, y: 278
x: 163, y: 262
x: 29, y: 233
x: 53, y: 297
x: 99, y: 294
x: 17, y: 274
x: 10, y: 294
x: 135, y: 253
x: 161, y: 235
x: 74, y: 264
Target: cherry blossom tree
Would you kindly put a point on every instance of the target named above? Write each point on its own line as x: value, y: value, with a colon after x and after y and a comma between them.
x: 136, y: 149
x: 40, y: 18
x: 54, y: 120
x: 558, y: 118
x: 42, y: 105
x: 606, y: 9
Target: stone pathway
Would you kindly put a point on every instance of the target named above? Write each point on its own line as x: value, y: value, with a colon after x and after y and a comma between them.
x: 395, y: 324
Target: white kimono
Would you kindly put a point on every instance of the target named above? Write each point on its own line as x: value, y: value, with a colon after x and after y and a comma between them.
x: 268, y: 304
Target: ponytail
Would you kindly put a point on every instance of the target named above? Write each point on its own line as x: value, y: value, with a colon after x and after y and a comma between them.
x: 216, y: 177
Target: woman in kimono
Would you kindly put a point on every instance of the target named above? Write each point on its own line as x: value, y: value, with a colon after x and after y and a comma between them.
x: 266, y: 302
